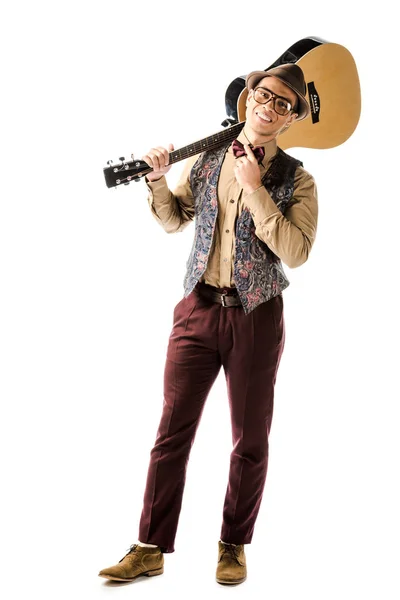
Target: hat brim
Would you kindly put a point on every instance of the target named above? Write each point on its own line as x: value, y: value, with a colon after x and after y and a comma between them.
x: 303, y: 108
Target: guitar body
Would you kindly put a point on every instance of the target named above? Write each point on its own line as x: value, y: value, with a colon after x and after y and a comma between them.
x: 333, y: 92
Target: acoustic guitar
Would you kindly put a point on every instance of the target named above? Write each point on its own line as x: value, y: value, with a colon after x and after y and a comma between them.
x: 333, y: 92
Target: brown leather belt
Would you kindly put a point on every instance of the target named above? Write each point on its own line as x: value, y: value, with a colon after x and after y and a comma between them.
x: 225, y: 296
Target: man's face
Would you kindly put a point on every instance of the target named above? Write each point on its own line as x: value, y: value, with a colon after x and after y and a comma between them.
x: 262, y: 118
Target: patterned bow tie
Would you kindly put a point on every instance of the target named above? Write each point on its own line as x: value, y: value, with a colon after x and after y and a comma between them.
x: 238, y: 150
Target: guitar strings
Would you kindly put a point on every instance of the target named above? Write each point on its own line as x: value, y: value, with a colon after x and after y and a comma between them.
x: 208, y: 143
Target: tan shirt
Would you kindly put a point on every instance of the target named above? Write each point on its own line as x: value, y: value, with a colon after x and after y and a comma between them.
x: 289, y: 236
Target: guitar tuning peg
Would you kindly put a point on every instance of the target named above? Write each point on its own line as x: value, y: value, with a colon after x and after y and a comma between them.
x: 132, y: 156
x: 122, y: 158
x: 110, y: 162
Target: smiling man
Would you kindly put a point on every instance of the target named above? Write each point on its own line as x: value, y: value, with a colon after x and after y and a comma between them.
x: 254, y: 207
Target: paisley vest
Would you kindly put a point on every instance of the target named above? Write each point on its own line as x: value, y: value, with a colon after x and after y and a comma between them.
x: 258, y: 272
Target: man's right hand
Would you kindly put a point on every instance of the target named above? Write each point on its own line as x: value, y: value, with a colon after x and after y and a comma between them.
x: 158, y: 159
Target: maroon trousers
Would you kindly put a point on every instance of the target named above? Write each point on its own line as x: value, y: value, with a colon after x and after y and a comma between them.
x: 206, y: 335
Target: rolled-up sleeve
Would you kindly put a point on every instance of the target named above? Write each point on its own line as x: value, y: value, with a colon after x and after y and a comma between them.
x: 172, y: 210
x: 291, y: 235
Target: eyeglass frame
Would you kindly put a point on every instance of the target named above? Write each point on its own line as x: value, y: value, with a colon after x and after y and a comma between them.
x: 273, y: 97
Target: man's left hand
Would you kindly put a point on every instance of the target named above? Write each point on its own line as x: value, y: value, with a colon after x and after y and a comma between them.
x: 247, y: 171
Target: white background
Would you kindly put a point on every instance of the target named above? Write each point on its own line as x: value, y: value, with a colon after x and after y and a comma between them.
x: 89, y: 281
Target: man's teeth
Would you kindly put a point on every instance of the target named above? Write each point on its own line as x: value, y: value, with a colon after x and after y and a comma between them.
x: 264, y: 118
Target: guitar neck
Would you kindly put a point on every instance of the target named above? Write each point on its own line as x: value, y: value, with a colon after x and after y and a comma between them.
x: 134, y: 170
x: 209, y: 143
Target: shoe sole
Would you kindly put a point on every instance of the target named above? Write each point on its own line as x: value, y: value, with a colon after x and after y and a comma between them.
x: 231, y: 582
x: 146, y: 573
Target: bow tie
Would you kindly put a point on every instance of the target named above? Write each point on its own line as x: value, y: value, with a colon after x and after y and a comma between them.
x: 238, y: 150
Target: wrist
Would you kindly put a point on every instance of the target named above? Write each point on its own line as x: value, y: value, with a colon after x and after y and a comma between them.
x: 252, y: 188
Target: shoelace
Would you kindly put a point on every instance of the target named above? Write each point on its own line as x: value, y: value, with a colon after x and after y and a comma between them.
x: 131, y: 550
x: 231, y: 549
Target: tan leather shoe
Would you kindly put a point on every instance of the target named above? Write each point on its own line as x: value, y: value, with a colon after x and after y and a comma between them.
x: 231, y: 566
x: 140, y: 560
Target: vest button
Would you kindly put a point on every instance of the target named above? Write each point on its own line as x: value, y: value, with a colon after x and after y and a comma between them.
x: 227, y: 231
x: 231, y: 201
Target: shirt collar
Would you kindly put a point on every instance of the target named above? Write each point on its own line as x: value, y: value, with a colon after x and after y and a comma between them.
x: 270, y: 148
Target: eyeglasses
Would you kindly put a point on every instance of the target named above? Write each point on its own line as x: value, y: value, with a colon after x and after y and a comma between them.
x: 279, y: 104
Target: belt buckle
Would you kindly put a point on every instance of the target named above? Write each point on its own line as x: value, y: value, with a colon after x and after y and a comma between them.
x: 223, y: 294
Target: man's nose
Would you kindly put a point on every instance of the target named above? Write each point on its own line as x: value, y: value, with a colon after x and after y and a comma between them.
x: 272, y: 99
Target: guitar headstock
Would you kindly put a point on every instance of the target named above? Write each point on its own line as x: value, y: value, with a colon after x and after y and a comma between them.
x: 125, y: 171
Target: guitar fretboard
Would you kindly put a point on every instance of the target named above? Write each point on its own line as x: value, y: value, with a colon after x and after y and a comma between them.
x: 208, y: 143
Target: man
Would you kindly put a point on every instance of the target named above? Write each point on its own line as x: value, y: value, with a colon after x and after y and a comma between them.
x: 254, y: 208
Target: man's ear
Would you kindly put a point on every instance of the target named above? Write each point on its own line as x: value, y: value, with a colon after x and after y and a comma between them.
x: 293, y: 117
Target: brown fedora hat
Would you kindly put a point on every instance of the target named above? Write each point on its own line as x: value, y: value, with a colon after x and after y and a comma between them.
x: 291, y: 75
